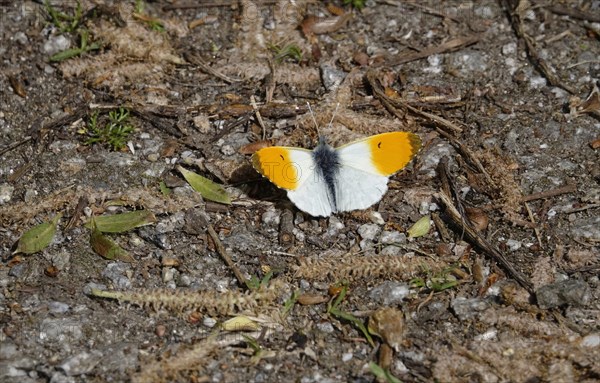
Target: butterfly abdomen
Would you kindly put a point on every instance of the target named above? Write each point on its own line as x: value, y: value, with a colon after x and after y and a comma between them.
x: 327, y: 162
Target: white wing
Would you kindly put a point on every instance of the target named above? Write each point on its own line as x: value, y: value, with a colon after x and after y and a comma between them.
x: 358, y: 184
x: 357, y: 189
x: 311, y: 195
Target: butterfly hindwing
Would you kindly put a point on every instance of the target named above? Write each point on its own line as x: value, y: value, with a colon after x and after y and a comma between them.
x: 357, y: 189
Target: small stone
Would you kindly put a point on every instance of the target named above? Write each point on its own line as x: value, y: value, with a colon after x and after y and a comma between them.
x: 202, y: 123
x: 271, y: 217
x: 509, y: 49
x: 184, y: 281
x: 58, y: 307
x: 376, y: 217
x: 6, y: 192
x: 491, y: 334
x: 116, y: 273
x: 347, y: 356
x: 335, y: 225
x: 222, y: 285
x: 591, y: 340
x: 81, y: 363
x: 87, y: 289
x: 56, y: 44
x: 392, y: 237
x: 513, y: 245
x: 369, y: 231
x: 433, y: 154
x: 7, y: 349
x: 468, y: 308
x: 586, y: 229
x: 228, y: 150
x: 21, y: 38
x: 299, y: 234
x: 64, y: 330
x: 153, y: 157
x: 570, y: 292
x: 209, y: 322
x: 331, y: 76
x: 389, y: 293
x: 18, y: 270
x: 325, y: 327
x: 168, y: 274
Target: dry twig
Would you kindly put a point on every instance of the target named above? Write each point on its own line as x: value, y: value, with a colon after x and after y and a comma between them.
x: 516, y: 9
x: 223, y: 252
x: 449, y: 46
x: 482, y: 243
x: 550, y: 193
x: 393, y: 104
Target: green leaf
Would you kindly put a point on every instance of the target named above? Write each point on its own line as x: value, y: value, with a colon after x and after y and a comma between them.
x: 66, y: 54
x: 289, y: 303
x: 38, y: 237
x: 420, y: 228
x: 382, y: 374
x: 108, y: 249
x: 334, y: 310
x: 208, y: 189
x: 164, y: 189
x: 120, y: 223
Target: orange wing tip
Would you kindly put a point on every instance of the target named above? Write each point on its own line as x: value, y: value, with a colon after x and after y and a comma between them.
x: 275, y: 164
x: 391, y: 152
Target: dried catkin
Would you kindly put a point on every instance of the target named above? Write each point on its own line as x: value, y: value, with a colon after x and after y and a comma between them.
x: 358, y: 267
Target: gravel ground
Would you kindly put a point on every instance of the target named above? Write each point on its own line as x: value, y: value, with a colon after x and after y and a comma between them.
x: 504, y: 93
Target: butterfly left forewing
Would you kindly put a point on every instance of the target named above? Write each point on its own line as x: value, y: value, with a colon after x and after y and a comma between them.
x: 294, y: 169
x: 286, y: 167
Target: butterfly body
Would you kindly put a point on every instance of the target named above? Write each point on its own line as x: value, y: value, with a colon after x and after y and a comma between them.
x: 327, y: 180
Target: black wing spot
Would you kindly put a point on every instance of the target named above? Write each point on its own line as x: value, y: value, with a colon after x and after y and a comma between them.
x: 282, y: 159
x: 379, y: 145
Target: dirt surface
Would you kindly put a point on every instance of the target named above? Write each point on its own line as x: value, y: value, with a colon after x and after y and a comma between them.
x: 502, y: 94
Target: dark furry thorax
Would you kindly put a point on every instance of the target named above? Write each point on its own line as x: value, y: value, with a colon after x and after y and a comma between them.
x: 328, y: 164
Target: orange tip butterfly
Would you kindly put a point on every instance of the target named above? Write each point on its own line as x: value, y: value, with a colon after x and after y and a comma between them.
x: 327, y: 180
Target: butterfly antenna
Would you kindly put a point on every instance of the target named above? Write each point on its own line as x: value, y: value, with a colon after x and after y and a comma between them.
x: 337, y: 105
x: 313, y: 118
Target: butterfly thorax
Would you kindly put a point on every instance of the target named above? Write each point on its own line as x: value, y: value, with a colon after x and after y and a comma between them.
x: 327, y: 164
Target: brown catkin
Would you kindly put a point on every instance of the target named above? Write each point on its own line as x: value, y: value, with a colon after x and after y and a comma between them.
x: 357, y: 267
x: 211, y: 302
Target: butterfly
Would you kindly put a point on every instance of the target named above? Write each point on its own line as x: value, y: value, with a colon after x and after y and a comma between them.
x: 330, y: 180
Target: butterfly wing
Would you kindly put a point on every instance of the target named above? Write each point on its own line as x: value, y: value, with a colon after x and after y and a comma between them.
x: 294, y: 169
x: 365, y: 166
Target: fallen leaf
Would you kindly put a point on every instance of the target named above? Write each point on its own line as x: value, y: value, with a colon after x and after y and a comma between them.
x: 108, y: 249
x: 388, y: 324
x: 207, y: 188
x: 38, y: 237
x: 120, y: 223
x: 240, y: 323
x: 420, y: 228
